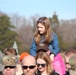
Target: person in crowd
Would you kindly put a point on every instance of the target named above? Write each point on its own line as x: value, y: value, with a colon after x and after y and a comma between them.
x: 10, y: 51
x: 29, y: 66
x: 44, y: 64
x: 22, y: 55
x: 45, y: 34
x: 1, y: 69
x: 19, y: 70
x: 70, y: 61
x: 1, y: 73
x: 9, y: 63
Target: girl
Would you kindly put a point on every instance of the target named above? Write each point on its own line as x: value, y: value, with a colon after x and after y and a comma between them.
x: 44, y: 34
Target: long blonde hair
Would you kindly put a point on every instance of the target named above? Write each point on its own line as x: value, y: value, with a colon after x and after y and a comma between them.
x: 48, y: 31
x: 46, y: 58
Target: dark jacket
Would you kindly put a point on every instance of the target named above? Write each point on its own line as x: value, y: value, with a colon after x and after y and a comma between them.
x: 1, y: 73
x: 35, y: 74
x: 67, y: 73
x: 53, y: 73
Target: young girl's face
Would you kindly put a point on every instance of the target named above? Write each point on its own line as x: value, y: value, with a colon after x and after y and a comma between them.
x: 41, y: 28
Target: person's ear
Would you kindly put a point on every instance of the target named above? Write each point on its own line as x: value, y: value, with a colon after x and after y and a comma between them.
x: 36, y: 67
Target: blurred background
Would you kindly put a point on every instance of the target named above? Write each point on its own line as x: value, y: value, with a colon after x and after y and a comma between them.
x: 18, y: 19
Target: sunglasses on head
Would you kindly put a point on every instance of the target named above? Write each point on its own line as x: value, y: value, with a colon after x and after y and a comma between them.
x: 11, y: 67
x: 40, y: 21
x: 42, y: 65
x: 30, y: 67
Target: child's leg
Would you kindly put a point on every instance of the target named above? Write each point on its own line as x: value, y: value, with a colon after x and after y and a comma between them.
x: 57, y: 67
x: 59, y: 64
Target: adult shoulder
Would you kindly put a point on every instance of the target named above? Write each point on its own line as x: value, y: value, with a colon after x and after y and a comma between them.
x: 54, y: 73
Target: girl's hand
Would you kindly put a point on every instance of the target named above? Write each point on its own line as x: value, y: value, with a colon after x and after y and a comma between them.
x: 52, y: 57
x: 48, y: 52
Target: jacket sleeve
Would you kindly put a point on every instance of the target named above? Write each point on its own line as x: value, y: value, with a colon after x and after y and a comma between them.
x: 54, y: 73
x: 33, y: 48
x: 54, y: 45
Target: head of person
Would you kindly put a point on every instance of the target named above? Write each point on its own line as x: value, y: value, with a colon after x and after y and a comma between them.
x: 72, y: 62
x: 43, y: 27
x: 68, y: 56
x: 43, y: 47
x: 22, y: 55
x: 29, y: 65
x: 9, y: 64
x: 44, y: 63
x: 10, y: 51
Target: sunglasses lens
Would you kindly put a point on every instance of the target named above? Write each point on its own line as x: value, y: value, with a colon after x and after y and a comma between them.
x: 42, y: 65
x: 24, y: 67
x: 5, y: 67
x: 38, y: 65
x: 11, y: 67
x: 30, y: 67
x: 41, y: 21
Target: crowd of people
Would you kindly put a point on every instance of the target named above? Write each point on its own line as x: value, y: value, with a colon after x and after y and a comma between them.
x: 44, y: 57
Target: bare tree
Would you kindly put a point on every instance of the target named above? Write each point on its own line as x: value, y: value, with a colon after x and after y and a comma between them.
x: 67, y: 30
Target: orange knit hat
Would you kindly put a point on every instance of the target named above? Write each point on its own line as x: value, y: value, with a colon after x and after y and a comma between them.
x: 23, y: 55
